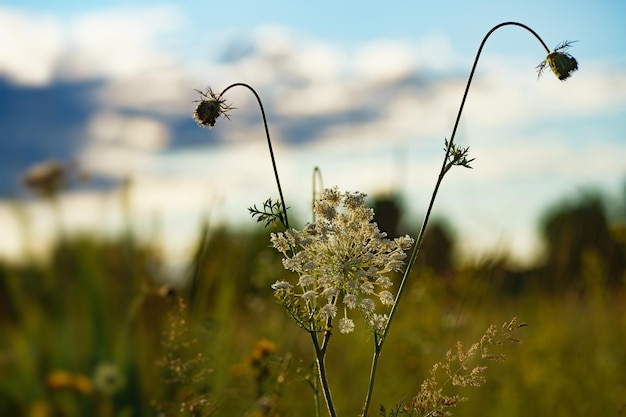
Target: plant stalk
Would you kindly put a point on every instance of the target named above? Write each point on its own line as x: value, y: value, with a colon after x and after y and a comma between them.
x: 420, y: 237
x: 370, y: 387
x: 269, y: 143
x: 320, y: 354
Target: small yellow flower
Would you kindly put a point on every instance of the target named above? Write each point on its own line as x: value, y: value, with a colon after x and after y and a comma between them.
x: 60, y: 380
x: 40, y: 409
x: 561, y: 62
x: 263, y: 349
x: 83, y: 384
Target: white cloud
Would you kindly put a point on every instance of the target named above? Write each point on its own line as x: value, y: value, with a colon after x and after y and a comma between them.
x: 122, y: 147
x: 115, y: 162
x: 318, y: 62
x: 31, y: 47
x: 434, y: 52
x: 140, y: 133
x: 384, y: 62
x: 318, y: 99
x: 592, y: 90
x: 132, y: 50
x: 276, y: 42
x: 121, y: 43
x: 299, y: 77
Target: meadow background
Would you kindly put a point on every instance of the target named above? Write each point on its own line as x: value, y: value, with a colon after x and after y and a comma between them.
x: 134, y: 283
x: 96, y: 330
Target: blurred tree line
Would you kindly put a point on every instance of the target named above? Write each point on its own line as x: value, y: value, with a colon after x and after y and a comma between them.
x: 584, y: 246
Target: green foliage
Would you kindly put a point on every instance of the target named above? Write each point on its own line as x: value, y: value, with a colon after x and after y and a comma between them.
x: 578, y: 229
x: 95, y: 331
x: 272, y: 213
x: 456, y: 156
x: 100, y: 302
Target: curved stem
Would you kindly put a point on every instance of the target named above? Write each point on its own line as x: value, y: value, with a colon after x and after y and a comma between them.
x: 269, y: 142
x: 442, y: 172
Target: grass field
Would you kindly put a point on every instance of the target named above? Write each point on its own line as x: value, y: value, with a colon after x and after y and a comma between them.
x: 94, y: 332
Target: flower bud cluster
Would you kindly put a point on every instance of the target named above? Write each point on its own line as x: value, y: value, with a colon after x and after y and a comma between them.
x: 342, y: 260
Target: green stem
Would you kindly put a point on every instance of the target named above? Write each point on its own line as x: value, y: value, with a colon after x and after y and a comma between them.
x: 318, y: 403
x: 269, y: 143
x: 442, y: 172
x: 317, y: 176
x: 320, y: 354
x: 370, y: 387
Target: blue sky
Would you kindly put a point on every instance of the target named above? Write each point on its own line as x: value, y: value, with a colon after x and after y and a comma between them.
x: 367, y: 94
x: 598, y: 24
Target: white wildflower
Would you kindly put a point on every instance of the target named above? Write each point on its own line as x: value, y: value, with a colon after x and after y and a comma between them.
x: 281, y: 285
x: 306, y: 280
x: 328, y: 311
x: 342, y: 256
x: 309, y: 295
x: 386, y: 298
x: 346, y: 325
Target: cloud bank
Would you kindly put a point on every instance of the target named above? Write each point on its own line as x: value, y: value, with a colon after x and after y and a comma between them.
x: 372, y: 116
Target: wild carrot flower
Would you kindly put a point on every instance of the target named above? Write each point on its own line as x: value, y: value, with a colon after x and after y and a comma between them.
x: 210, y: 108
x: 561, y: 62
x: 341, y: 259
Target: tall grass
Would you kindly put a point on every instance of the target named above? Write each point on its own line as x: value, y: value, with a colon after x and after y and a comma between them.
x: 108, y: 308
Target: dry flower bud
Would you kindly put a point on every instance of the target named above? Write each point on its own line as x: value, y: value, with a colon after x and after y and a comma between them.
x: 210, y: 108
x: 562, y: 64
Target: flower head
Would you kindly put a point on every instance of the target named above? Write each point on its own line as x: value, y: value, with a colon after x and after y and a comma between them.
x: 108, y: 378
x: 341, y: 260
x: 346, y: 325
x: 561, y: 62
x: 46, y: 178
x: 210, y: 108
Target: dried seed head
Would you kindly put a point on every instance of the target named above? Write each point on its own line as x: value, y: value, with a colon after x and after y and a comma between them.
x: 45, y: 178
x: 562, y: 64
x: 210, y: 108
x: 207, y: 113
